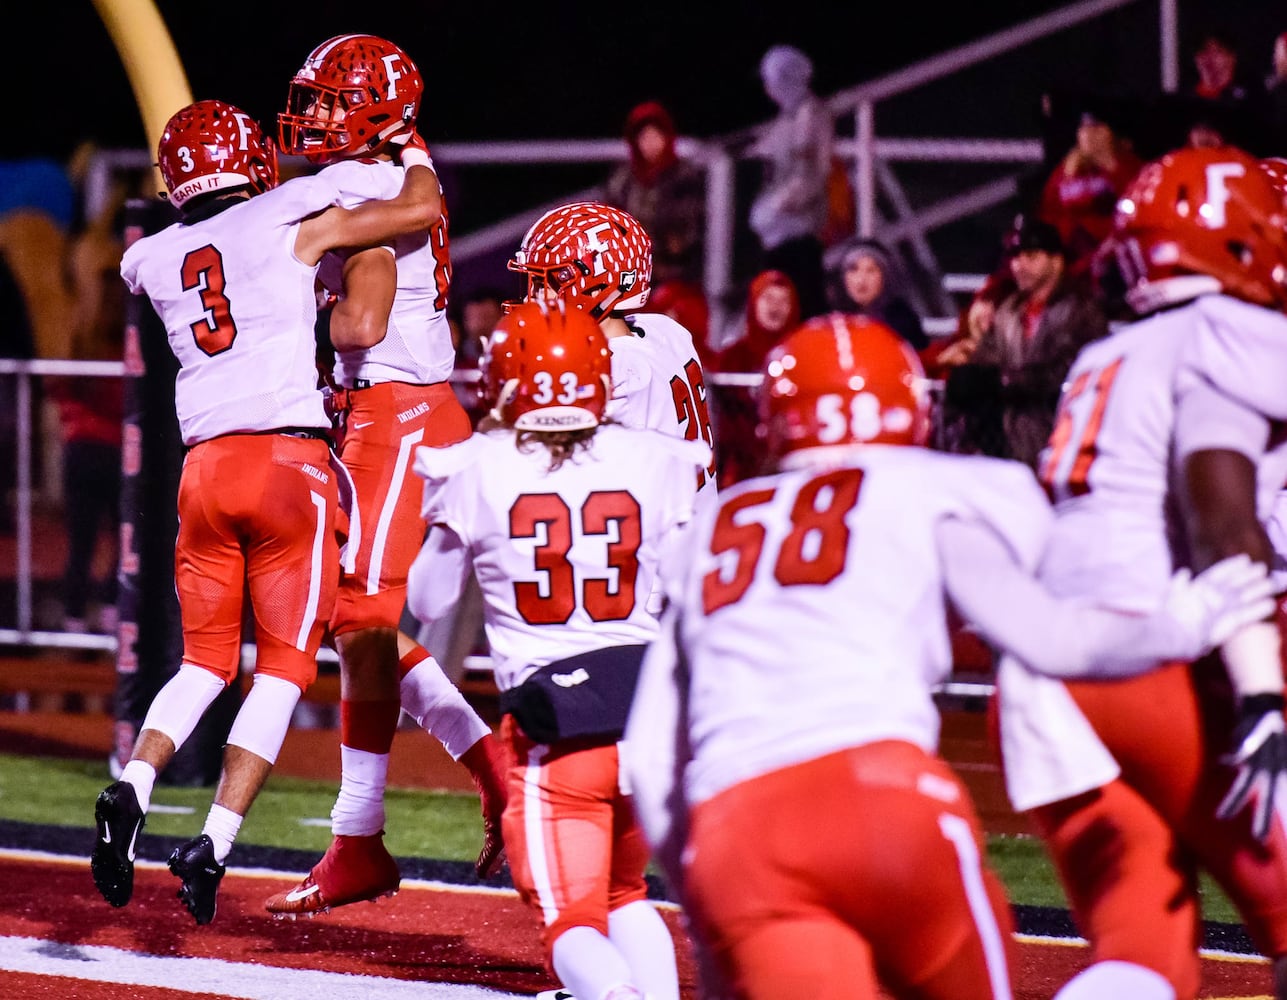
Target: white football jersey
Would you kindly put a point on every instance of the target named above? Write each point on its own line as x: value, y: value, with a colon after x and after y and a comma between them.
x: 812, y: 604
x: 417, y: 347
x: 239, y: 310
x: 566, y: 558
x: 1111, y: 463
x: 658, y: 384
x: 1130, y: 411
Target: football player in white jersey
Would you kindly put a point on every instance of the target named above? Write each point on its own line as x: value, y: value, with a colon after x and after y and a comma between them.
x: 1167, y: 452
x: 561, y: 515
x: 351, y: 107
x: 782, y: 744
x: 233, y: 284
x: 598, y: 259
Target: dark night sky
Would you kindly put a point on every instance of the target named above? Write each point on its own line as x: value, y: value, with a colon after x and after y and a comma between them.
x: 501, y: 70
x: 574, y: 69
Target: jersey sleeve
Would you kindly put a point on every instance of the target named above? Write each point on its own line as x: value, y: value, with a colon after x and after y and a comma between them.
x: 438, y: 574
x: 358, y: 182
x: 1005, y: 498
x: 1237, y: 349
x: 446, y: 497
x: 1208, y: 418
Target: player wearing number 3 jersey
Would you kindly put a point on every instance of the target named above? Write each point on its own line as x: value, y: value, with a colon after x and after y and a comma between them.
x: 782, y: 744
x: 562, y: 517
x: 233, y: 284
x: 1167, y: 451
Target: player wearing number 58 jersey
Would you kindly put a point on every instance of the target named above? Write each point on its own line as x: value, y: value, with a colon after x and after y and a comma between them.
x: 1167, y: 451
x: 233, y: 284
x: 562, y: 517
x: 783, y: 740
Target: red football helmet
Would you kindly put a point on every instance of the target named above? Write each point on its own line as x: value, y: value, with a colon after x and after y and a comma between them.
x: 211, y: 145
x: 1275, y: 168
x: 1201, y: 220
x: 546, y: 368
x: 372, y: 84
x: 592, y: 256
x: 842, y: 380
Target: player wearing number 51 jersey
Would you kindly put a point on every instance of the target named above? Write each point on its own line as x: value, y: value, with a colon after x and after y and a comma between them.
x: 1167, y: 451
x: 562, y: 518
x: 783, y: 740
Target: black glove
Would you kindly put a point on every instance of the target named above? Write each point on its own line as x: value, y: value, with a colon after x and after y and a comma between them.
x: 1260, y: 757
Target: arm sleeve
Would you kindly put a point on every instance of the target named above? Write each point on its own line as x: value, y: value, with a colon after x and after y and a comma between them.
x: 1060, y: 637
x: 438, y: 574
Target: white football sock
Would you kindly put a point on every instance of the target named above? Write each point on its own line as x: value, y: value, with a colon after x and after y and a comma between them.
x: 641, y: 935
x: 588, y: 964
x: 1116, y: 981
x: 222, y: 826
x: 142, y: 776
x: 359, y: 807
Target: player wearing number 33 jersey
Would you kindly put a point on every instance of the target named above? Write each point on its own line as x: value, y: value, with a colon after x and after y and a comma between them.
x: 563, y: 517
x: 783, y: 740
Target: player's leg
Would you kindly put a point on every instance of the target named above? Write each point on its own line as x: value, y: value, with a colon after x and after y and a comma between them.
x: 291, y: 570
x: 559, y: 834
x: 864, y: 857
x: 208, y: 558
x: 440, y: 709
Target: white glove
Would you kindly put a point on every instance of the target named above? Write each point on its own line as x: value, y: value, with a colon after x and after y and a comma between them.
x: 1219, y: 601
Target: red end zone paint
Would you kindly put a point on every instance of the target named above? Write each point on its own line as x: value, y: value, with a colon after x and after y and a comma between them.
x: 426, y: 934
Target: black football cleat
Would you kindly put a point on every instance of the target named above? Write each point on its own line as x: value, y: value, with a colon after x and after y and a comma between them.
x: 201, y: 874
x: 119, y: 819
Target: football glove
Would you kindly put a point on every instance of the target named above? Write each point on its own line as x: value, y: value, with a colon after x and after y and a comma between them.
x: 1260, y: 761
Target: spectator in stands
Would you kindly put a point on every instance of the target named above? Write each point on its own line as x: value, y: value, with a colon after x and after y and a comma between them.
x: 1017, y: 361
x: 1276, y: 98
x: 91, y: 409
x: 772, y: 311
x: 1221, y: 76
x: 479, y: 313
x: 1226, y: 97
x: 665, y: 192
x: 863, y: 279
x: 790, y: 211
x: 481, y: 309
x: 37, y: 207
x: 1080, y: 195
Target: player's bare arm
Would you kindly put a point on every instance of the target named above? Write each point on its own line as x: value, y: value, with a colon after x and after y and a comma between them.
x: 361, y: 316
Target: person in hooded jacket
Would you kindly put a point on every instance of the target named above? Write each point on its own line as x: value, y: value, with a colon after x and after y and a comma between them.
x: 665, y: 192
x: 864, y: 280
x: 772, y: 311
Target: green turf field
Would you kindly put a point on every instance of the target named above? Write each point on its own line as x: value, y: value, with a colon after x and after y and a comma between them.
x: 293, y: 813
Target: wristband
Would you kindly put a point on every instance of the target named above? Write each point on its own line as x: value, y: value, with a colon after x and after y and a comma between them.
x: 1251, y: 660
x: 415, y: 157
